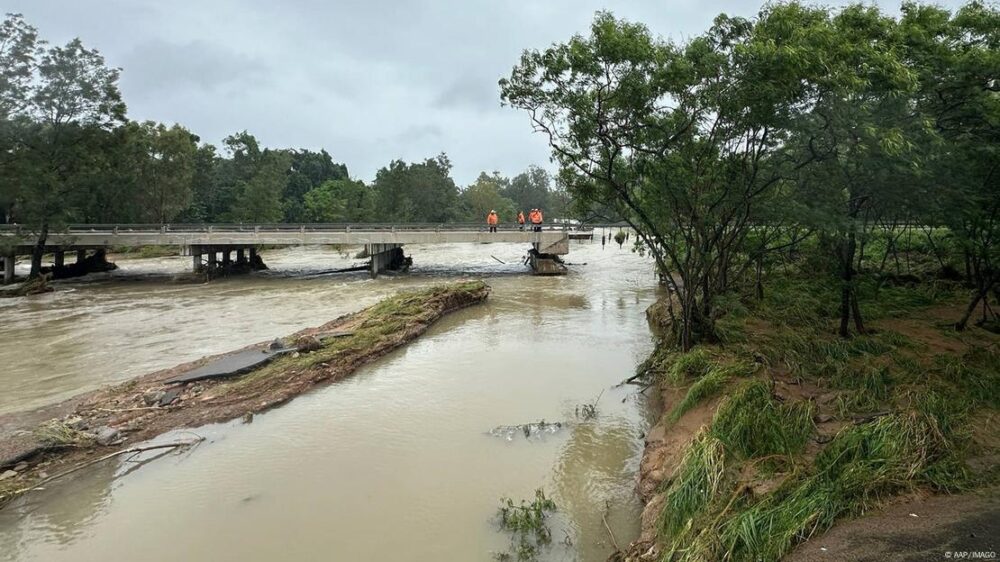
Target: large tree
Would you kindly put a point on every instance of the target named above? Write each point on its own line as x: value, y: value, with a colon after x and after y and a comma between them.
x: 340, y: 200
x: 72, y: 96
x: 484, y: 195
x: 417, y: 192
x: 164, y: 164
x: 685, y: 142
x: 955, y: 58
x: 18, y: 60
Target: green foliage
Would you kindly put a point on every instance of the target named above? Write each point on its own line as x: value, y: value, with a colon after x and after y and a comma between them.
x: 340, y: 201
x: 751, y: 423
x: 708, y: 386
x: 863, y: 465
x: 419, y: 192
x: 698, y: 480
x: 688, y: 365
x: 526, y: 522
x: 485, y: 195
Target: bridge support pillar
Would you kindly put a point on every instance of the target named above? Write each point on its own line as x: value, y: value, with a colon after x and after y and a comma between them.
x: 385, y: 257
x: 59, y: 258
x: 196, y: 259
x: 211, y: 258
x: 240, y: 255
x: 226, y: 252
x: 81, y: 255
x: 8, y: 269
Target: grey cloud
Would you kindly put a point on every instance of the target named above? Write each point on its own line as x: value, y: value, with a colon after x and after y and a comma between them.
x: 156, y: 66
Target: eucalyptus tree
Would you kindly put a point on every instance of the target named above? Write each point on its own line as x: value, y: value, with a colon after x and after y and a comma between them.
x: 686, y: 142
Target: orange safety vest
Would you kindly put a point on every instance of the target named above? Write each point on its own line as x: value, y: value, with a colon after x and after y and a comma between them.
x: 520, y: 218
x: 492, y: 219
x: 536, y: 217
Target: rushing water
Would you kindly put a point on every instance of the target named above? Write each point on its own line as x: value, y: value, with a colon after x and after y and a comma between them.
x: 393, y: 463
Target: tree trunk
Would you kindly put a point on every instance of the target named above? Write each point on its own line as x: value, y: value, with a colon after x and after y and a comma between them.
x: 980, y: 294
x: 848, y: 298
x: 760, y: 284
x: 39, y: 250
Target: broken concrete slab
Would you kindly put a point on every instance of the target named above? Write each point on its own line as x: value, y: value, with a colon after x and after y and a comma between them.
x: 230, y: 365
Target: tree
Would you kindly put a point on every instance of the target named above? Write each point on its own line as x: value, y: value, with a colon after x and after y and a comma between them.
x: 485, y: 195
x: 259, y: 198
x: 18, y: 53
x: 72, y: 96
x: 955, y: 58
x: 340, y: 200
x: 531, y: 190
x: 206, y: 203
x: 164, y: 167
x: 684, y: 141
x: 419, y: 192
x: 308, y: 171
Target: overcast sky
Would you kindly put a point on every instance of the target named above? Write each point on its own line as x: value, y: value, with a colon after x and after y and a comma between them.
x: 368, y: 80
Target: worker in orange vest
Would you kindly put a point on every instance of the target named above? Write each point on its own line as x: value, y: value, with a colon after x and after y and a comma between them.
x: 535, y: 216
x: 520, y: 219
x: 492, y: 219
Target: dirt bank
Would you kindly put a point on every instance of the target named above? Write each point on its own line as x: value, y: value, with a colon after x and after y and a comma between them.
x: 47, y: 441
x: 912, y: 371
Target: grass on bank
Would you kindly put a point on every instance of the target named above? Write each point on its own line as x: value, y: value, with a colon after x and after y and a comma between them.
x: 907, y: 413
x: 379, y: 324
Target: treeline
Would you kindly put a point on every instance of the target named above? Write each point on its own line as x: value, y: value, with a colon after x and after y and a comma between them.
x: 69, y: 154
x: 802, y: 127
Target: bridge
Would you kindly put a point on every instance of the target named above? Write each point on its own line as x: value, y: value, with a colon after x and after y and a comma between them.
x: 213, y: 245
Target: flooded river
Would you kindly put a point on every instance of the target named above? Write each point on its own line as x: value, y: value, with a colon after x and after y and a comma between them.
x: 395, y: 463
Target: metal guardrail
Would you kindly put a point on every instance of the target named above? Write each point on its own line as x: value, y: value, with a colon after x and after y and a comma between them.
x: 287, y: 228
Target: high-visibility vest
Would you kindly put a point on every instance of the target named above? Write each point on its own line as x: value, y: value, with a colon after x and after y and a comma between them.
x: 536, y: 217
x: 520, y: 218
x: 492, y: 219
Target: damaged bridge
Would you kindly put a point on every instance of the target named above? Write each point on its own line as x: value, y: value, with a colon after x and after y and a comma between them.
x: 219, y: 244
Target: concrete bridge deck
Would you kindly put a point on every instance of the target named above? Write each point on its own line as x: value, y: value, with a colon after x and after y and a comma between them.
x: 382, y: 240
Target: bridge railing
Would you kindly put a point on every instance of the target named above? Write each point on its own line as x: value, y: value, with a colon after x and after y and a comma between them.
x: 284, y: 227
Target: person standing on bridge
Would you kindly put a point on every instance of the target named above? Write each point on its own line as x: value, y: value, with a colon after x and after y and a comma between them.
x: 520, y: 219
x: 492, y: 219
x: 535, y: 216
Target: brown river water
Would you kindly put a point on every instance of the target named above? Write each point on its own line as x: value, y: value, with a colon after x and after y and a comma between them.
x: 394, y: 463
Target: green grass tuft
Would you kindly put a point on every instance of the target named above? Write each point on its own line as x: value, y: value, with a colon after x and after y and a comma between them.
x: 693, y: 364
x: 751, y: 423
x: 708, y: 386
x: 697, y: 481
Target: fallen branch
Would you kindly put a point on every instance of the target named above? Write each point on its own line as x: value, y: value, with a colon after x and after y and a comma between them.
x: 129, y: 451
x: 604, y: 519
x: 632, y: 379
x: 498, y: 259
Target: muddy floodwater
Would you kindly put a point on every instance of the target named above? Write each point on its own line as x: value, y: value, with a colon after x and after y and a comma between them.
x: 394, y: 463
